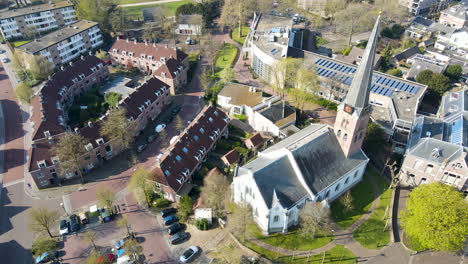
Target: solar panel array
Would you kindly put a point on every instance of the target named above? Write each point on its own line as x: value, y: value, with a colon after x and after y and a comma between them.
x: 380, y: 84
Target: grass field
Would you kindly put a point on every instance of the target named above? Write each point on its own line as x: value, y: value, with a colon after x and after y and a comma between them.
x: 363, y: 195
x: 135, y: 11
x: 292, y: 240
x: 124, y: 2
x: 20, y: 42
x: 235, y: 34
x: 225, y: 58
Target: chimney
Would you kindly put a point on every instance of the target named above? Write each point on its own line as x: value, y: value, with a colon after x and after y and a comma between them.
x: 127, y: 40
x: 269, y: 103
x: 166, y: 46
x: 77, y: 130
x: 90, y: 124
x: 135, y: 42
x: 90, y: 53
x: 146, y: 42
x: 171, y: 57
x: 154, y: 45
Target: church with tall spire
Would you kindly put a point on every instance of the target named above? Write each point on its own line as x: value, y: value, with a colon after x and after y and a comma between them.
x: 316, y: 164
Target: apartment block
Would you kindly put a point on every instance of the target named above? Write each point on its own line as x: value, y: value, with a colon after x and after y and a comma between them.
x: 455, y: 16
x: 67, y: 43
x: 168, y: 64
x: 18, y: 23
x: 418, y: 7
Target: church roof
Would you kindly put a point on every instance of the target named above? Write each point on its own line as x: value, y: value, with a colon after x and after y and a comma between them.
x: 358, y: 94
x: 316, y: 153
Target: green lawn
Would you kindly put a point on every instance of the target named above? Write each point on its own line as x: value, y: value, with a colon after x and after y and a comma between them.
x: 235, y: 34
x: 20, y: 42
x: 363, y: 195
x: 225, y: 58
x: 124, y: 2
x: 135, y: 11
x: 338, y: 254
x: 292, y: 240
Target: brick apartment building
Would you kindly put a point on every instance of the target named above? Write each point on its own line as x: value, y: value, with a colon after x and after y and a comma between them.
x: 18, y: 23
x: 49, y: 118
x: 185, y: 156
x: 168, y: 64
x: 65, y: 44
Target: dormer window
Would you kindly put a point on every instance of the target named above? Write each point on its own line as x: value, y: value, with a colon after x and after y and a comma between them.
x: 47, y: 134
x: 124, y: 52
x: 184, y: 149
x: 210, y: 119
x: 150, y: 57
x: 196, y: 137
x: 163, y: 75
x: 180, y: 180
x: 100, y: 141
x: 89, y: 147
x: 148, y: 102
x: 143, y: 56
x: 162, y: 59
x: 114, y: 51
x: 186, y: 172
x: 226, y: 119
x: 216, y: 113
x: 55, y: 160
x: 202, y: 130
x: 167, y: 173
x: 178, y: 158
x: 41, y: 164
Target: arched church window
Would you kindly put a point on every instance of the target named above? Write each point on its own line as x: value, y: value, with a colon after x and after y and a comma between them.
x: 345, y: 137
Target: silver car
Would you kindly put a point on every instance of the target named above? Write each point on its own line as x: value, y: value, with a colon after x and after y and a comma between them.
x: 189, y: 254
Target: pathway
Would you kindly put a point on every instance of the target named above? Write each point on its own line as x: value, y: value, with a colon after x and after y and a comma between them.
x: 150, y: 3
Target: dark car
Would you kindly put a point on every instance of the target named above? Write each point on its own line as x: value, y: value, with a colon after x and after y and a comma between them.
x: 177, y: 238
x: 175, y: 110
x: 173, y: 229
x: 63, y: 227
x: 106, y: 215
x: 169, y: 220
x: 46, y: 256
x: 74, y: 223
x: 168, y: 119
x: 168, y: 211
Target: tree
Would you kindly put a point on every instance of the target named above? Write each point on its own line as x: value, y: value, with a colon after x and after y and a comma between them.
x: 69, y: 149
x: 392, y: 10
x: 355, y: 18
x: 210, y: 50
x: 436, y: 217
x: 283, y: 72
x: 313, y: 217
x: 99, y: 11
x: 91, y: 237
x: 306, y: 83
x: 375, y: 137
x: 112, y: 99
x: 102, y: 55
x: 139, y: 185
x: 43, y: 244
x: 134, y: 250
x: 106, y: 198
x: 42, y: 219
x: 387, y: 54
x: 424, y: 77
x: 454, y: 71
x: 347, y: 201
x: 96, y: 257
x: 213, y: 192
x: 123, y: 223
x: 152, y: 32
x: 185, y: 208
x: 228, y: 74
x: 332, y: 7
x: 23, y: 92
x: 40, y: 67
x: 439, y: 83
x: 238, y: 221
x: 119, y: 19
x: 117, y: 126
x: 395, y: 72
x: 205, y: 80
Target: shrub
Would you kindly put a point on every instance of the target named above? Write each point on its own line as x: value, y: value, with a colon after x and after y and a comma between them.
x: 161, y: 203
x: 346, y: 51
x: 454, y: 71
x: 202, y: 224
x: 395, y: 72
x: 242, y: 118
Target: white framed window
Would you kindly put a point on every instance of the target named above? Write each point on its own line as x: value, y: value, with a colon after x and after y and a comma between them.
x: 276, y: 218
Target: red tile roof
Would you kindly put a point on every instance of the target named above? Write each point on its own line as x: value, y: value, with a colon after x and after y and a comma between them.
x: 171, y: 67
x: 180, y: 157
x: 256, y: 139
x: 232, y: 157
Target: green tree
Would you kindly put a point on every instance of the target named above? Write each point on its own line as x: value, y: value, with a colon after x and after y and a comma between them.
x: 123, y: 223
x: 375, y: 137
x: 185, y: 208
x: 23, y: 92
x: 313, y: 217
x: 43, y: 244
x: 40, y: 67
x: 228, y: 74
x: 98, y: 11
x: 439, y: 83
x: 134, y: 250
x: 106, y: 198
x: 117, y: 126
x: 140, y: 185
x: 112, y: 99
x: 102, y: 55
x: 70, y: 148
x: 347, y: 201
x: 424, y: 77
x: 454, y: 71
x: 42, y: 220
x: 387, y: 54
x: 119, y: 20
x: 436, y: 217
x: 238, y: 220
x: 395, y: 72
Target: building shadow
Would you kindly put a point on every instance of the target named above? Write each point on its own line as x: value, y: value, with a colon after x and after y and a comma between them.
x: 13, y: 252
x: 12, y: 159
x: 7, y: 213
x: 13, y: 120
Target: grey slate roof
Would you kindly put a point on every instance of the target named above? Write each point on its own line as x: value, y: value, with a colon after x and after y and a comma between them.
x: 419, y: 66
x: 358, y: 94
x: 407, y: 53
x: 422, y: 21
x: 316, y: 151
x: 436, y: 150
x: 425, y: 126
x: 458, y: 11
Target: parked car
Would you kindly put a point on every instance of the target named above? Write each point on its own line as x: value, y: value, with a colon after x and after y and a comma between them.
x: 108, y: 258
x: 168, y: 211
x: 150, y: 138
x: 178, y: 238
x: 63, y: 227
x: 74, y: 223
x: 159, y: 128
x: 189, y: 254
x: 169, y: 220
x: 5, y: 60
x: 83, y: 218
x: 125, y: 260
x: 106, y: 215
x: 175, y: 228
x: 46, y: 256
x: 142, y: 147
x: 188, y: 41
x: 175, y: 110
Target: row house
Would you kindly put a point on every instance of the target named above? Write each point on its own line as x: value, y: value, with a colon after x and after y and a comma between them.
x: 169, y: 64
x: 65, y: 44
x: 185, y: 156
x: 18, y: 23
x: 50, y: 119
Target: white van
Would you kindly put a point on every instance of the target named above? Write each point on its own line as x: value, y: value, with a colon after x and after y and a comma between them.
x: 125, y: 260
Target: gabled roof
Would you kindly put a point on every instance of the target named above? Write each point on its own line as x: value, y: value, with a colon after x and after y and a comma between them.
x: 436, y: 150
x: 279, y: 113
x: 158, y: 52
x: 256, y: 139
x: 407, y: 53
x: 170, y: 67
x: 34, y: 9
x: 231, y: 157
x: 459, y: 11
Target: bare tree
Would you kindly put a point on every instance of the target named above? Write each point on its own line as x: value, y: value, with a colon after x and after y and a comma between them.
x: 332, y: 7
x: 123, y: 223
x: 228, y: 74
x: 106, y: 198
x: 40, y: 67
x: 238, y: 221
x: 91, y: 237
x: 117, y: 126
x: 355, y: 18
x: 69, y: 149
x: 234, y: 12
x: 134, y: 250
x: 210, y: 50
x: 140, y: 185
x: 283, y: 73
x: 347, y: 201
x: 102, y: 55
x: 42, y: 219
x: 23, y: 92
x: 306, y: 82
x: 213, y: 192
x: 312, y: 218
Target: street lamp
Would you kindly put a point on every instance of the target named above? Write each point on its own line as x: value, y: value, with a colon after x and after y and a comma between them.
x: 63, y: 207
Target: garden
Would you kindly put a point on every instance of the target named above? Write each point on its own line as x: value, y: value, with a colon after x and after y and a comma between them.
x: 240, y: 38
x: 225, y: 58
x: 135, y: 12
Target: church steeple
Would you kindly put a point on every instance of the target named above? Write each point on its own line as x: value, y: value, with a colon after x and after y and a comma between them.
x: 353, y: 113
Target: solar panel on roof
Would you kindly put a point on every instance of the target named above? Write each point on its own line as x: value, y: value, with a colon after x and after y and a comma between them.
x: 378, y: 90
x: 328, y: 74
x: 415, y: 90
x: 353, y: 70
x: 400, y: 84
x: 405, y: 87
x: 331, y: 75
x: 377, y: 78
x: 319, y: 71
x: 386, y: 81
x: 319, y: 61
x: 381, y: 80
x: 390, y: 92
x: 335, y: 66
x: 391, y: 83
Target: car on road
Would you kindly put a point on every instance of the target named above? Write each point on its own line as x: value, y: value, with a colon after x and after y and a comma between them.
x: 5, y: 60
x: 2, y: 51
x: 178, y: 238
x: 159, y: 128
x: 105, y: 214
x: 169, y: 220
x: 142, y: 147
x: 168, y: 211
x: 189, y: 254
x: 46, y: 256
x: 174, y: 229
x: 150, y: 138
x: 74, y: 223
x: 63, y: 227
